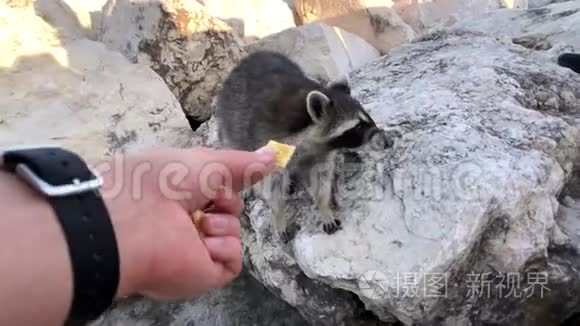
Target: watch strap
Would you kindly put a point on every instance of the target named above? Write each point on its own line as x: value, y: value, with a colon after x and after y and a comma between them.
x: 85, y: 221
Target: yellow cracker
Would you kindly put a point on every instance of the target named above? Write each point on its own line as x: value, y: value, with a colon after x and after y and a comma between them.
x: 197, y: 217
x: 283, y: 152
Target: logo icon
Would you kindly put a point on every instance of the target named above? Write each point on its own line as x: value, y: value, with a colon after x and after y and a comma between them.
x: 373, y: 284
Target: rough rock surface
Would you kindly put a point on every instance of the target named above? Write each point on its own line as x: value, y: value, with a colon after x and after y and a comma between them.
x: 24, y: 41
x: 324, y: 52
x: 553, y: 28
x: 252, y: 19
x: 540, y: 3
x: 79, y: 95
x: 79, y: 17
x: 18, y: 3
x: 371, y: 20
x: 243, y: 302
x: 423, y: 15
x: 465, y: 203
x: 189, y: 49
x: 515, y: 4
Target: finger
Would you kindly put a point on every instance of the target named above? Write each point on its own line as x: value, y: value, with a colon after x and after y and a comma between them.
x: 220, y: 225
x: 226, y: 251
x: 234, y: 169
x: 227, y: 202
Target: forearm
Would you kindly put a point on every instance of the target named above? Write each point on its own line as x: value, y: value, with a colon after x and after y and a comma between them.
x: 161, y: 251
x: 36, y: 279
x: 35, y: 287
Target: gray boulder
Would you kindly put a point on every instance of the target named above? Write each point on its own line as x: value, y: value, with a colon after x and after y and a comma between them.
x: 243, y: 302
x: 79, y: 94
x: 372, y: 20
x: 324, y: 52
x: 191, y: 50
x: 78, y: 17
x: 553, y: 28
x: 461, y: 222
x: 540, y: 3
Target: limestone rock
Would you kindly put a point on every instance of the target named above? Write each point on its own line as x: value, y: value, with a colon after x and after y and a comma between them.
x: 189, y: 49
x: 252, y: 19
x: 553, y: 28
x: 532, y: 4
x: 19, y: 40
x: 78, y: 17
x: 425, y: 15
x: 516, y: 4
x: 242, y: 302
x: 18, y: 3
x: 80, y: 95
x: 371, y: 20
x: 465, y: 203
x: 324, y: 52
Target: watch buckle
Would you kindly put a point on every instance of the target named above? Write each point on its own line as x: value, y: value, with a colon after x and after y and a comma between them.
x: 74, y: 188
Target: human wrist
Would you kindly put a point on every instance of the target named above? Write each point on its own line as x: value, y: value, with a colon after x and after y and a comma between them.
x: 132, y: 234
x: 74, y: 225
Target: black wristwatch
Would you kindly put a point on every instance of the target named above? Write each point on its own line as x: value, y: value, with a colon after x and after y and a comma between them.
x: 73, y: 191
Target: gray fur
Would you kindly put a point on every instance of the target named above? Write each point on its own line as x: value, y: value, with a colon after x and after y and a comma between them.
x: 268, y: 97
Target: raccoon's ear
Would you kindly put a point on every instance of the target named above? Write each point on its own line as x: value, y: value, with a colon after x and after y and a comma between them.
x: 341, y: 85
x: 317, y: 103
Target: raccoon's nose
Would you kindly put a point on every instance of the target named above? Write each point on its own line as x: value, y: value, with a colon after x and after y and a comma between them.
x: 391, y: 135
x: 382, y: 140
x: 389, y: 142
x: 379, y: 140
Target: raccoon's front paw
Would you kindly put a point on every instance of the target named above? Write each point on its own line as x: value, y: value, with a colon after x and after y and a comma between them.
x: 332, y: 227
x: 289, y: 233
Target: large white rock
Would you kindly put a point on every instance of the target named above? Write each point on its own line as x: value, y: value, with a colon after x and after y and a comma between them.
x: 80, y: 17
x: 540, y: 3
x: 516, y: 4
x: 424, y: 15
x: 180, y: 40
x: 554, y: 27
x: 18, y: 3
x: 468, y: 194
x: 324, y: 52
x: 36, y: 35
x: 421, y: 15
x: 371, y: 20
x: 80, y: 94
x: 252, y: 19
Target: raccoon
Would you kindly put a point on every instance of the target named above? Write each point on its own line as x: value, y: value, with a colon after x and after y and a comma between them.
x: 266, y: 97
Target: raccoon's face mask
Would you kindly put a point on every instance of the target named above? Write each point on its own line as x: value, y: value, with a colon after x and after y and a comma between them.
x: 342, y: 121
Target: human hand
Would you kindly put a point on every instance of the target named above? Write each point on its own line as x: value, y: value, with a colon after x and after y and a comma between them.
x: 151, y: 197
